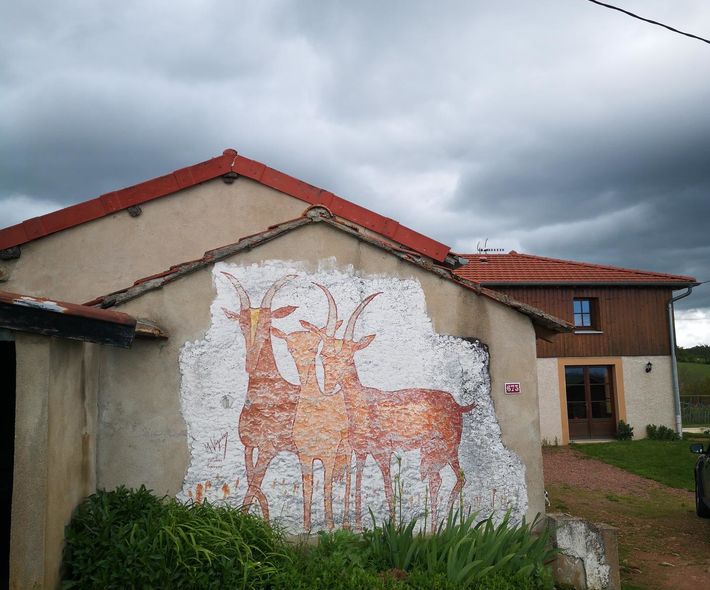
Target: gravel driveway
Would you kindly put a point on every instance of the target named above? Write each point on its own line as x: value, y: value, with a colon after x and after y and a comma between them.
x: 663, y: 545
x: 562, y: 465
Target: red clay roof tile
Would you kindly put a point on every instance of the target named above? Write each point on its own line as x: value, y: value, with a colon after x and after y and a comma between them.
x: 318, y: 214
x: 229, y: 161
x: 520, y: 269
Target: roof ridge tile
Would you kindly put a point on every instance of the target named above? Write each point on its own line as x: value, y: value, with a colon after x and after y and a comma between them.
x: 530, y: 268
x: 312, y: 215
x: 599, y: 265
x: 182, y: 178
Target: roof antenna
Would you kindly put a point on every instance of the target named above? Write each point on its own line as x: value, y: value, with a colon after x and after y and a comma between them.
x: 485, y: 249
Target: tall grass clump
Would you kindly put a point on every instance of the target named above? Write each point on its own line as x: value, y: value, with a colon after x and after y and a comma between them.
x: 130, y: 539
x: 465, y: 552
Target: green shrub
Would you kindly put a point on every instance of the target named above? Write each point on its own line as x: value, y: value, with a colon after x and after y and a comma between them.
x: 131, y: 539
x: 661, y: 432
x: 624, y: 431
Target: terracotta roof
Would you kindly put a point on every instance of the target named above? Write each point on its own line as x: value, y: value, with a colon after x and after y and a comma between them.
x: 319, y: 214
x: 525, y: 269
x: 228, y: 162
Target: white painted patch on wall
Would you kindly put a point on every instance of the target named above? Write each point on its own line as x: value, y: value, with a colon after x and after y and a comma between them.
x: 406, y: 353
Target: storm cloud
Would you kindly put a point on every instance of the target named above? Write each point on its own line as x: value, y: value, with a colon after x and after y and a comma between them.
x: 556, y: 127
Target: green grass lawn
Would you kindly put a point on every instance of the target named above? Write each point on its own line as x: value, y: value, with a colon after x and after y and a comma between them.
x: 668, y: 462
x: 694, y: 379
x: 695, y: 369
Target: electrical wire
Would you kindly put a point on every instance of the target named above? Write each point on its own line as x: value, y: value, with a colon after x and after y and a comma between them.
x: 648, y: 20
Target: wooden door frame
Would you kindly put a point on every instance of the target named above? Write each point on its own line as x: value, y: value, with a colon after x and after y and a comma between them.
x: 592, y: 426
x: 617, y: 375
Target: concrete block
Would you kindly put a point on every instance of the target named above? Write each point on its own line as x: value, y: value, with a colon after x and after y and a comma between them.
x: 568, y: 570
x: 588, y: 556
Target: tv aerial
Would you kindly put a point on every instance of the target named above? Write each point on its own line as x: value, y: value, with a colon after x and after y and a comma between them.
x: 486, y: 250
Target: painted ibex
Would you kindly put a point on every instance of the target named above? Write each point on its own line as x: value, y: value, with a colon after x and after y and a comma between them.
x: 320, y: 428
x: 266, y: 419
x: 382, y: 422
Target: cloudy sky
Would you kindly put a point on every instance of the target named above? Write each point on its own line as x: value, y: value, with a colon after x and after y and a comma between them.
x: 554, y: 127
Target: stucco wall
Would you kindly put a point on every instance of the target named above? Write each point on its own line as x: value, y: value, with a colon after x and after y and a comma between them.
x: 644, y: 398
x: 101, y: 256
x: 143, y: 436
x: 418, y: 403
x: 30, y: 489
x: 649, y: 396
x: 548, y: 387
x: 54, y: 452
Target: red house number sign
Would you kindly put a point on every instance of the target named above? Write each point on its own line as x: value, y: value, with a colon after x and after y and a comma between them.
x: 512, y: 388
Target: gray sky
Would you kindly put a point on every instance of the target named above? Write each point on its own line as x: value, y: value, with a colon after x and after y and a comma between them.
x: 553, y: 127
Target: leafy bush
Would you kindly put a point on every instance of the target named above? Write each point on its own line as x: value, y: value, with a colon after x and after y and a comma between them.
x: 132, y: 539
x: 661, y: 432
x: 624, y: 431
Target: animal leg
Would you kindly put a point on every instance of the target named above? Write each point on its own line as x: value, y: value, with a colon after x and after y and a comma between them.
x: 328, y: 465
x: 249, y: 464
x: 434, y: 485
x: 383, y: 460
x: 262, y: 464
x: 342, y: 472
x: 251, y: 491
x: 359, y: 466
x: 460, y: 480
x: 346, y: 500
x: 307, y: 478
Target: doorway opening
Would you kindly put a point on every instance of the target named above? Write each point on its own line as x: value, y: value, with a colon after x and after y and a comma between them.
x: 7, y: 452
x: 590, y: 401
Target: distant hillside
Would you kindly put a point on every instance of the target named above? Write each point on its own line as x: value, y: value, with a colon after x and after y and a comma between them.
x: 696, y: 354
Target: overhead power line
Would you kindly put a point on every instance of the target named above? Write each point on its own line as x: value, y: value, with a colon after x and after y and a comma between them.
x: 648, y: 20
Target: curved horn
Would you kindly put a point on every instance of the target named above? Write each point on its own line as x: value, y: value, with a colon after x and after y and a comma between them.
x: 332, y: 311
x: 243, y: 295
x: 269, y: 295
x: 350, y: 328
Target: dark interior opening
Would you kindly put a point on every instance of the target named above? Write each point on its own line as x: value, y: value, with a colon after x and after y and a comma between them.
x: 7, y: 452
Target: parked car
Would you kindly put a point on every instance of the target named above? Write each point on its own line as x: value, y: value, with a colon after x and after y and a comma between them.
x: 702, y: 480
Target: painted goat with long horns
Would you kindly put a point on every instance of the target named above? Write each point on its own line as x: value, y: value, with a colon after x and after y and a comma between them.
x: 383, y: 422
x: 266, y: 419
x: 320, y: 428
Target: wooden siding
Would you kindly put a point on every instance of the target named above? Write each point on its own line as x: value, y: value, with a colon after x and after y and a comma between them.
x: 633, y: 320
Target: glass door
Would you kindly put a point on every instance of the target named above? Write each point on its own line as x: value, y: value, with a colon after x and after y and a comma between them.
x: 590, y: 401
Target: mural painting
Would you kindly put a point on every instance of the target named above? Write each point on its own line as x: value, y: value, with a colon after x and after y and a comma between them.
x: 335, y: 375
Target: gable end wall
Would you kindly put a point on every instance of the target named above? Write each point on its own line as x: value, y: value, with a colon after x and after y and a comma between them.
x: 143, y: 436
x: 97, y: 257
